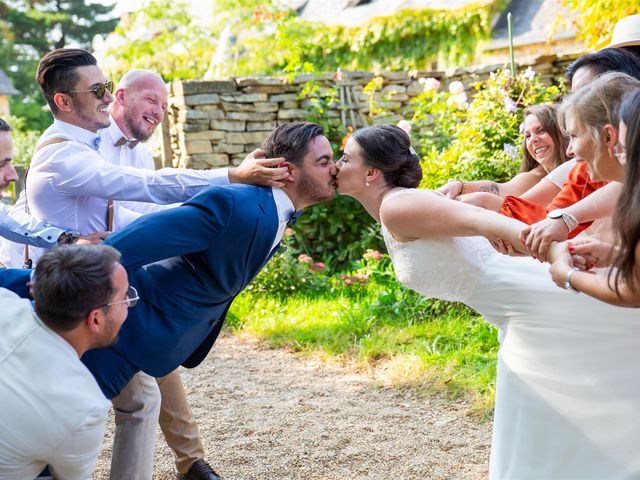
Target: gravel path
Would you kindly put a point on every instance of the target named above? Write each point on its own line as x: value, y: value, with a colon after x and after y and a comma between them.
x: 268, y: 414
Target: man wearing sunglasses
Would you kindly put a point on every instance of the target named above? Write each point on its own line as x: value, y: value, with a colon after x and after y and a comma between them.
x: 82, y: 296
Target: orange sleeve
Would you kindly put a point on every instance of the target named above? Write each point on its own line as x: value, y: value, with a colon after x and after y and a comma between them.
x: 523, y: 210
x: 578, y: 186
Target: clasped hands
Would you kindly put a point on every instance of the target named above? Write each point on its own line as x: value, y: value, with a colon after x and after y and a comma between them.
x: 547, y: 241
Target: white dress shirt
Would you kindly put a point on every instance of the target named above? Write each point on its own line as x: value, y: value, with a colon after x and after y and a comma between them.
x: 69, y: 183
x: 285, y: 208
x: 18, y: 226
x: 139, y: 157
x: 53, y: 411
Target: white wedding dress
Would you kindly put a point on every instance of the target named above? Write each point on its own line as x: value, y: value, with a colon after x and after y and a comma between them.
x: 568, y: 381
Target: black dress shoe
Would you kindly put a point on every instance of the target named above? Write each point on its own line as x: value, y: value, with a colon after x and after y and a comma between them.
x: 200, y: 470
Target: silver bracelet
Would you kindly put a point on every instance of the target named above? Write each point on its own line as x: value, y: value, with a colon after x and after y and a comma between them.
x: 567, y: 282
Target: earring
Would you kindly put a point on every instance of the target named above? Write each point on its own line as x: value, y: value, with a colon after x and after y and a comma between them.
x: 366, y: 184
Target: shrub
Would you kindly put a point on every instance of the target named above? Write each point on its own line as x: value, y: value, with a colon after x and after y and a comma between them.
x: 288, y: 273
x: 24, y: 141
x: 485, y: 141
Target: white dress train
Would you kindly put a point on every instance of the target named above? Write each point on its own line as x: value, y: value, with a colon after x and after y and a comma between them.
x: 568, y: 377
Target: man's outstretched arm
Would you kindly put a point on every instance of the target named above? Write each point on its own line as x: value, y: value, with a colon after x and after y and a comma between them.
x: 20, y: 227
x: 189, y: 228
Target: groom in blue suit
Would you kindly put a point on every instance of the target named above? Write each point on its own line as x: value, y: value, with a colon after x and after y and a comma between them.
x: 189, y: 263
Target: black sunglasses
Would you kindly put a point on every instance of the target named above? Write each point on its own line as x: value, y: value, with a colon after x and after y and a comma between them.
x: 98, y: 90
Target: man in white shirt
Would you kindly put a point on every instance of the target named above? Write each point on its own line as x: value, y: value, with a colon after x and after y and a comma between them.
x: 53, y: 411
x: 139, y: 107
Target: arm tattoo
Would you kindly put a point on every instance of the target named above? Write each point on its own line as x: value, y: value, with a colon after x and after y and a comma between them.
x: 491, y: 187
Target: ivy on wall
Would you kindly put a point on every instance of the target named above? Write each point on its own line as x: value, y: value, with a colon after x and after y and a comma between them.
x: 266, y: 40
x: 409, y: 39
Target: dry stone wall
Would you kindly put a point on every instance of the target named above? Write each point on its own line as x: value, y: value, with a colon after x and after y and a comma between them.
x: 216, y: 123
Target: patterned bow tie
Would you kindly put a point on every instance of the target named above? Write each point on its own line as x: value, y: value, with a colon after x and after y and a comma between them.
x: 131, y: 143
x: 294, y: 217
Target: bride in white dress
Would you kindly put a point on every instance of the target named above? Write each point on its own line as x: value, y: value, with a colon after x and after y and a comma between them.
x: 568, y: 381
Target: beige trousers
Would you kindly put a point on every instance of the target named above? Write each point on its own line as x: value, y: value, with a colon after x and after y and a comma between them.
x: 136, y: 417
x: 177, y: 422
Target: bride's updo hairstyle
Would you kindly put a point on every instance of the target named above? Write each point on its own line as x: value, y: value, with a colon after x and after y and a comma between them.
x: 596, y: 104
x: 388, y: 148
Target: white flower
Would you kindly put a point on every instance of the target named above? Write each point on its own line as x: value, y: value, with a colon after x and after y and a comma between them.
x: 459, y: 101
x: 456, y: 87
x: 429, y: 84
x: 529, y: 73
x: 405, y: 125
x: 509, y: 105
x: 511, y: 150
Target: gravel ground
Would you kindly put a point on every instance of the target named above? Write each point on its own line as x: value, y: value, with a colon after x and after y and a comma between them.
x: 268, y: 414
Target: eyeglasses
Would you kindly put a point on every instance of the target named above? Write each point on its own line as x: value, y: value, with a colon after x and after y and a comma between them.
x: 98, y: 90
x: 130, y: 301
x: 620, y: 153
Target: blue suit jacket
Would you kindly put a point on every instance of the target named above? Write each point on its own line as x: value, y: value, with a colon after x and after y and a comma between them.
x: 15, y: 279
x: 188, y: 264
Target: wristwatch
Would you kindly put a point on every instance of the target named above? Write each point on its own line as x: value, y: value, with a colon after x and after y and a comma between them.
x: 67, y: 238
x: 569, y: 220
x: 567, y: 281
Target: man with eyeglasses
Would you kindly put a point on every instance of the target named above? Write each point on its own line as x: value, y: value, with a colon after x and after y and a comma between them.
x: 72, y: 185
x: 53, y: 411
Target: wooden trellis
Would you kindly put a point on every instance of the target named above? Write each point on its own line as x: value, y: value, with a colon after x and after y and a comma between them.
x: 350, y: 113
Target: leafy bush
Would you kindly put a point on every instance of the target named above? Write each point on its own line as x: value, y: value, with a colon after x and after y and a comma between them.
x: 485, y: 141
x: 394, y: 42
x: 24, y: 141
x: 288, y: 273
x: 241, y: 32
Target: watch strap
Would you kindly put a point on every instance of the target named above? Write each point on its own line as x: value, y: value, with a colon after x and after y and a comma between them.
x: 567, y: 282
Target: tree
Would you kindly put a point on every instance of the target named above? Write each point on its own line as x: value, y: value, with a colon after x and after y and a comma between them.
x: 595, y: 19
x: 161, y: 36
x: 45, y: 25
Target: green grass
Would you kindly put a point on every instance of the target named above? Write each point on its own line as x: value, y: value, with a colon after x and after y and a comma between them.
x: 408, y: 341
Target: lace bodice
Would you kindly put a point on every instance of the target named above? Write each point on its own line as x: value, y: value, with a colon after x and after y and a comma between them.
x: 445, y: 267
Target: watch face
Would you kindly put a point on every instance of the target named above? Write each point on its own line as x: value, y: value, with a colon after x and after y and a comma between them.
x: 555, y: 214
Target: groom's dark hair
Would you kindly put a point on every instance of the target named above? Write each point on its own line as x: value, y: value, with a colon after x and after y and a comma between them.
x: 291, y: 141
